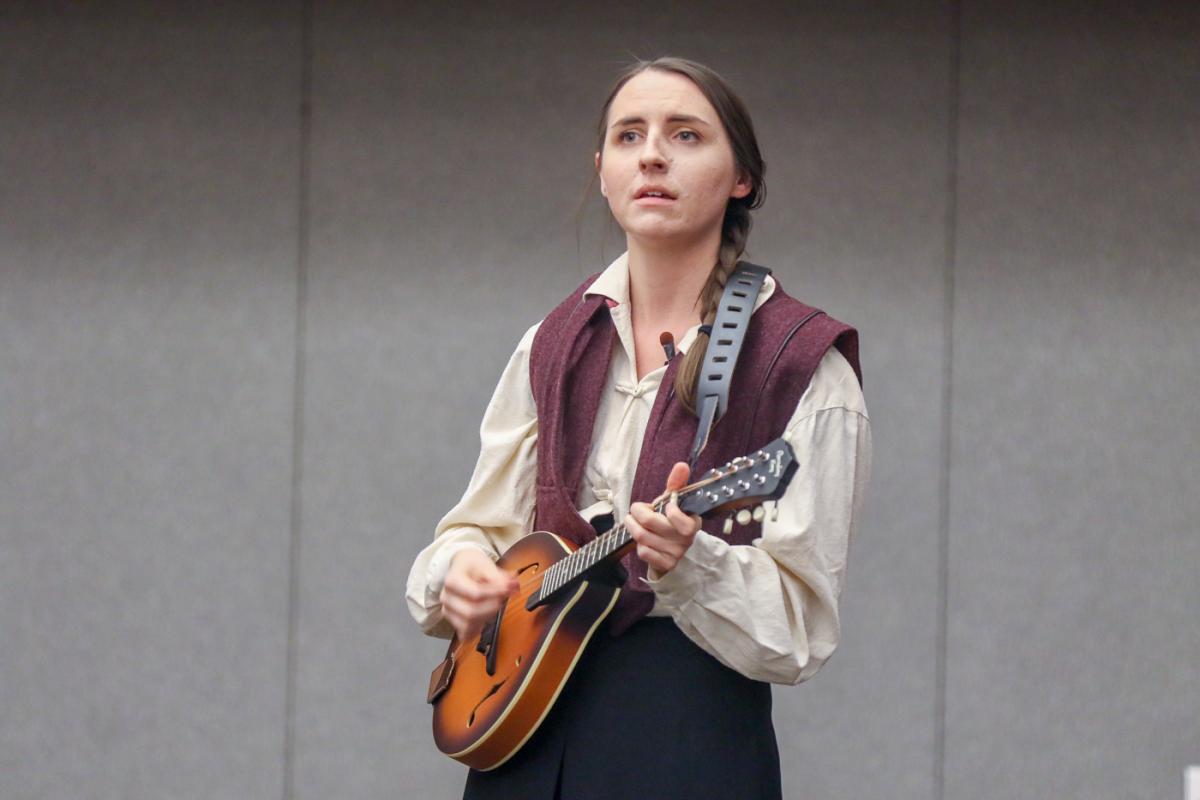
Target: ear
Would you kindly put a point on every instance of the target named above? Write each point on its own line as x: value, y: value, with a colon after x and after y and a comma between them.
x: 743, y: 185
x: 603, y: 188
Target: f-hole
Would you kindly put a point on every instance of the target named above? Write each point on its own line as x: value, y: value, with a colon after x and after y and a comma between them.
x: 486, y: 697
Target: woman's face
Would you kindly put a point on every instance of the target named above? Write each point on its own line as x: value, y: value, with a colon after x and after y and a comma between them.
x: 666, y: 165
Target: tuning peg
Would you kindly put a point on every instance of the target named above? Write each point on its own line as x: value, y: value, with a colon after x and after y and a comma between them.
x: 775, y: 511
x: 728, y: 527
x: 759, y: 513
x: 744, y: 516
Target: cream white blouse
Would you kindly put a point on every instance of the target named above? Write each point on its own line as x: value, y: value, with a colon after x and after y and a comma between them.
x: 768, y: 610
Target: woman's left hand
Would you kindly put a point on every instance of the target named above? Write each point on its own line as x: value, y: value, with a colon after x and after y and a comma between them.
x: 662, y: 539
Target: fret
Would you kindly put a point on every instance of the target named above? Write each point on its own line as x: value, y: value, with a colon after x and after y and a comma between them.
x: 584, y: 558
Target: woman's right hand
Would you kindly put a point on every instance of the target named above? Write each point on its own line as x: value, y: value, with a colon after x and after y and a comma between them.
x: 474, y: 589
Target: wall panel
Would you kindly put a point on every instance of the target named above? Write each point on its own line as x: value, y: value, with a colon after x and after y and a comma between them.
x: 1073, y: 602
x: 147, y: 306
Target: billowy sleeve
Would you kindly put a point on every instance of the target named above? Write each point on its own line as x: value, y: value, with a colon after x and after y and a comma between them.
x: 770, y: 609
x: 497, y: 507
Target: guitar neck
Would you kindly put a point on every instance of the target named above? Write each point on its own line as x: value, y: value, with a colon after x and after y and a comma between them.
x: 604, y: 549
x: 743, y: 482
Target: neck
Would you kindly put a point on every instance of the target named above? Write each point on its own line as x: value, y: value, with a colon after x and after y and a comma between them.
x: 665, y: 279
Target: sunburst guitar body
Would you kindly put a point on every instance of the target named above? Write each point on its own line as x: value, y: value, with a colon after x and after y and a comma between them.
x: 492, y: 692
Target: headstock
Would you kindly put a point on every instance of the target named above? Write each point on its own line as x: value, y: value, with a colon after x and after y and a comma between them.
x: 744, y: 482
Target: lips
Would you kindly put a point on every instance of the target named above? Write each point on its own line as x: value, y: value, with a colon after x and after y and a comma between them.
x: 653, y: 193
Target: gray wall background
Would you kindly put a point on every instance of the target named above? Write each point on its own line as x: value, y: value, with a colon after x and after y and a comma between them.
x: 260, y: 266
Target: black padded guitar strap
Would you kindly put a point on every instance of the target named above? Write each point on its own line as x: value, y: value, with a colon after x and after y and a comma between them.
x: 724, y: 344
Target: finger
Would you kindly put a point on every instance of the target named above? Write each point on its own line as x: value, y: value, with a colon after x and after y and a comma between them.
x: 457, y: 608
x: 655, y: 559
x: 648, y: 538
x: 678, y: 477
x: 658, y: 544
x: 503, y: 581
x: 466, y: 590
x: 652, y: 520
x: 486, y: 572
x: 660, y: 524
x: 468, y: 627
x: 475, y: 590
x: 475, y: 615
x: 637, y: 531
x: 462, y: 628
x: 497, y: 585
x: 450, y: 612
x: 640, y: 510
x: 643, y: 513
x: 471, y: 611
x: 686, y: 524
x: 467, y: 631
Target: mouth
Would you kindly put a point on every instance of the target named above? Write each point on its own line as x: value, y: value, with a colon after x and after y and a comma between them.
x: 653, y: 195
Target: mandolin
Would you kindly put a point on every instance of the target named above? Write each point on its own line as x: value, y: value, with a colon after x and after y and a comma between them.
x: 490, y: 693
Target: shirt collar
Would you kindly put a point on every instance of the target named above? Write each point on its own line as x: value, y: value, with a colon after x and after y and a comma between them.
x: 613, y: 283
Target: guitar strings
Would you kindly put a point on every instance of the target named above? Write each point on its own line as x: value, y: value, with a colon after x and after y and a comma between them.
x: 521, y: 596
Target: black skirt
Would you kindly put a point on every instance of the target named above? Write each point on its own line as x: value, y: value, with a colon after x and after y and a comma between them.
x: 646, y: 714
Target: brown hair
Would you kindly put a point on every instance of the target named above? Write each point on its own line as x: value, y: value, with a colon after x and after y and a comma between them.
x: 735, y: 229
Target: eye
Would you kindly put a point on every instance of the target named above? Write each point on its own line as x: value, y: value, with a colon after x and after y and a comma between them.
x: 626, y: 137
x: 689, y: 136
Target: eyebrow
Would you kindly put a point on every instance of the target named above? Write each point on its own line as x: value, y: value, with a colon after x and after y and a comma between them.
x: 673, y: 118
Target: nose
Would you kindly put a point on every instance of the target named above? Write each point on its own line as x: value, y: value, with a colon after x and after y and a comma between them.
x: 652, y: 157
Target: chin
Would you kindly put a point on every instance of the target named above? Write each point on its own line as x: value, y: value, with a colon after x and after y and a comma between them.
x: 650, y: 231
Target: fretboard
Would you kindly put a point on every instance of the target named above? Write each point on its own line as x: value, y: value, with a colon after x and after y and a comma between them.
x: 594, y: 552
x: 743, y: 482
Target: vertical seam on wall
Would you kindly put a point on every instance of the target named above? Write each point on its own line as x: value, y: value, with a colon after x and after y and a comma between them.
x: 302, y: 245
x: 939, y: 761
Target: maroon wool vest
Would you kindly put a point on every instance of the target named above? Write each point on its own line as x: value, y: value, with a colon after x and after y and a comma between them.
x: 568, y: 364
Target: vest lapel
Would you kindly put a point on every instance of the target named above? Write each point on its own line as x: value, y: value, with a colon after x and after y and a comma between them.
x: 568, y: 367
x: 567, y: 413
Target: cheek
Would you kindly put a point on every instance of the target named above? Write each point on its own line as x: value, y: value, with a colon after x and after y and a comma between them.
x: 716, y: 177
x: 615, y: 176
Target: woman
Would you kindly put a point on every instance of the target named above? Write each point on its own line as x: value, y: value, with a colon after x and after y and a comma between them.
x: 672, y: 698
